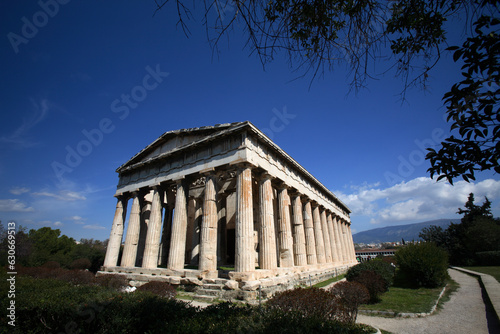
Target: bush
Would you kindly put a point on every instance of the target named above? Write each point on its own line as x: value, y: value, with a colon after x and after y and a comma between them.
x: 81, y: 264
x: 351, y: 294
x: 373, y: 282
x: 311, y: 302
x: 161, y: 289
x: 51, y: 265
x: 384, y: 269
x: 491, y: 258
x: 423, y: 265
x: 111, y: 281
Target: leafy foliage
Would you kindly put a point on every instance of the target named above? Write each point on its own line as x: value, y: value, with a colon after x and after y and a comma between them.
x: 161, y: 289
x: 473, y: 108
x: 477, y: 232
x: 373, y: 282
x: 48, y: 247
x: 424, y: 264
x: 54, y: 306
x: 352, y: 295
x: 382, y: 268
x: 319, y: 35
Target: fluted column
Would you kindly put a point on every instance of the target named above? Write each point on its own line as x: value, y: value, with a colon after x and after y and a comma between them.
x: 152, y: 247
x: 267, y: 238
x: 115, y: 238
x: 318, y: 236
x: 208, y: 239
x: 132, y: 238
x: 329, y: 222
x: 343, y: 241
x: 179, y: 226
x: 244, y: 244
x: 285, y: 230
x: 299, y: 238
x: 352, y: 258
x: 166, y: 234
x: 326, y: 237
x: 338, y: 242
x: 309, y: 232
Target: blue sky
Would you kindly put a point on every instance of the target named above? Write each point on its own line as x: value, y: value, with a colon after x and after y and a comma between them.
x: 106, y: 79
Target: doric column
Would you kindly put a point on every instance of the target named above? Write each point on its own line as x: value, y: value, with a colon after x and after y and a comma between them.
x: 352, y: 258
x: 338, y: 242
x: 166, y: 234
x: 193, y: 233
x: 267, y: 240
x: 299, y: 238
x: 309, y: 232
x: 326, y: 237
x: 152, y: 247
x: 179, y: 226
x: 132, y: 238
x: 343, y: 241
x: 285, y: 229
x: 115, y: 238
x: 143, y: 231
x: 208, y: 239
x: 244, y: 245
x: 329, y: 222
x: 318, y: 236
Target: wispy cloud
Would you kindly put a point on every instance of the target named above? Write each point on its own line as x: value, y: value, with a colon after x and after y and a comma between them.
x: 94, y: 227
x: 19, y: 190
x: 418, y: 199
x: 14, y: 205
x: 63, y: 195
x: 58, y: 224
x: 20, y: 137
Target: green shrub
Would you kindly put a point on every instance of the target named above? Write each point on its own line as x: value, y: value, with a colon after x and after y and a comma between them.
x: 352, y: 295
x: 384, y: 269
x: 491, y: 258
x: 423, y: 265
x: 115, y: 282
x: 161, y: 289
x: 310, y: 302
x: 373, y: 282
x: 81, y: 264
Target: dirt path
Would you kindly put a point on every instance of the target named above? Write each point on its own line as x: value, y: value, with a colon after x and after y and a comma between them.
x: 464, y: 313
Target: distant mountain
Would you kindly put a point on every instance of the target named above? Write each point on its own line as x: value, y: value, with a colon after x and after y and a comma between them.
x: 396, y: 233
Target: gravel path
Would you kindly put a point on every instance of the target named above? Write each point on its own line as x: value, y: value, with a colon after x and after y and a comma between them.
x: 463, y: 313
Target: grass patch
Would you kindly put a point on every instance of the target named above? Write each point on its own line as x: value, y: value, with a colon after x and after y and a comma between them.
x: 329, y: 281
x: 403, y: 300
x: 493, y: 271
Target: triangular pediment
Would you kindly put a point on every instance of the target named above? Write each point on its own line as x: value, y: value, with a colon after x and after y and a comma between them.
x: 176, y: 140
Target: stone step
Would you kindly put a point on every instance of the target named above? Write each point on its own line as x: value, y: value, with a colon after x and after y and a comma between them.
x: 207, y: 299
x: 213, y: 286
x: 207, y: 292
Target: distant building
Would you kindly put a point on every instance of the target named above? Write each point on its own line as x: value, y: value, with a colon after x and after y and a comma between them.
x: 368, y: 254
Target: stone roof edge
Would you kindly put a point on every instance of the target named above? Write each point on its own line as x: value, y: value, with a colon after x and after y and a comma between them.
x: 296, y: 164
x: 172, y: 132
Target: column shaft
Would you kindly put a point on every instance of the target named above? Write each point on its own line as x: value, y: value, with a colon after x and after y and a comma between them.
x: 285, y: 230
x: 179, y: 226
x: 208, y: 243
x: 299, y: 239
x: 335, y: 255
x: 244, y: 244
x: 326, y: 237
x: 318, y: 236
x: 309, y: 232
x: 352, y: 258
x: 343, y: 241
x: 115, y: 238
x: 132, y: 238
x: 267, y: 242
x: 152, y: 246
x: 338, y: 242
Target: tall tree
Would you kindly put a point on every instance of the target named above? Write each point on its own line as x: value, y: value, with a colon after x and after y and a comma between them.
x: 320, y: 35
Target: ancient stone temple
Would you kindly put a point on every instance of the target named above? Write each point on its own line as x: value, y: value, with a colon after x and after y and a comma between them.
x: 223, y: 207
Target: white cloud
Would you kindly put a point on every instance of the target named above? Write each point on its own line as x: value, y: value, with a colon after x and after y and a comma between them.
x: 14, y: 205
x: 62, y: 195
x: 94, y: 227
x: 418, y: 199
x: 58, y: 223
x: 19, y: 190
